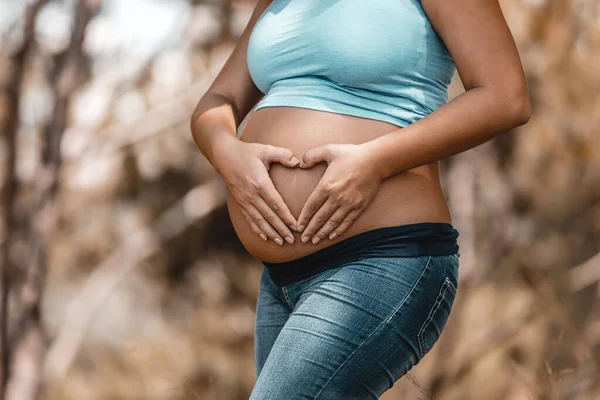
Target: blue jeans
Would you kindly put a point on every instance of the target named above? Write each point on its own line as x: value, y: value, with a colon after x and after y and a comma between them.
x: 352, y: 331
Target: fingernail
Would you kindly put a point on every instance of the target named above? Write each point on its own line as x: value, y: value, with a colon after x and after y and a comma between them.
x: 316, y: 240
x: 289, y: 239
x: 301, y: 228
x: 293, y: 227
x: 263, y: 237
x: 305, y: 239
x: 332, y: 236
x: 279, y: 241
x: 295, y: 161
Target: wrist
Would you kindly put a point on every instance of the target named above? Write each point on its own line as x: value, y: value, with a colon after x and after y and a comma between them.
x: 222, y: 146
x: 379, y: 166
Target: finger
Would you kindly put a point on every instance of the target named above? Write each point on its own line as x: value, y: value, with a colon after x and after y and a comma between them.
x: 318, y: 220
x: 253, y: 225
x: 346, y: 222
x: 316, y: 199
x: 275, y: 202
x: 273, y: 219
x: 280, y: 155
x: 259, y: 220
x: 316, y: 155
x: 332, y: 223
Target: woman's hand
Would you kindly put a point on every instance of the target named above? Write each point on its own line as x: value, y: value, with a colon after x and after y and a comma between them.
x: 244, y: 168
x: 348, y: 186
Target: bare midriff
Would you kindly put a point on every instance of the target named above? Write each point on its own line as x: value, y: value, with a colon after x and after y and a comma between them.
x: 410, y: 197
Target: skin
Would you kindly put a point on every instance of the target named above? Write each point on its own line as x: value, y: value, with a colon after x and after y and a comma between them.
x: 355, y: 174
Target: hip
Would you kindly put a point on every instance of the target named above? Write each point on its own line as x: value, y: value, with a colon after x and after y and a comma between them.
x: 368, y: 321
x: 393, y: 242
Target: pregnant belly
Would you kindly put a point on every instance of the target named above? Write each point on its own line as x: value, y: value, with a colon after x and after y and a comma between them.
x: 411, y: 197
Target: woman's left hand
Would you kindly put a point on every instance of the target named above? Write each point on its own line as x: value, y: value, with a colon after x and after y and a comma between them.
x: 348, y: 186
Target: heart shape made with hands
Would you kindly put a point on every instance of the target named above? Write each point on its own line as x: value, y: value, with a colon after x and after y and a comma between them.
x: 347, y: 188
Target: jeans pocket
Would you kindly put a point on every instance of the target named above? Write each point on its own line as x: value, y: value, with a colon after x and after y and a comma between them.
x: 438, y: 316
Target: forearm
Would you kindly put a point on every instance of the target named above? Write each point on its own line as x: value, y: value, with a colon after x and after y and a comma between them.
x: 214, y: 126
x: 474, y: 117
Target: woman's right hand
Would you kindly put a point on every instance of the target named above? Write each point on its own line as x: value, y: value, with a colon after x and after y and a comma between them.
x: 245, y: 170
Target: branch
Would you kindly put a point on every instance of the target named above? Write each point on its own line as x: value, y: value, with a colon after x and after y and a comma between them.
x: 584, y: 274
x: 10, y: 126
x: 160, y: 118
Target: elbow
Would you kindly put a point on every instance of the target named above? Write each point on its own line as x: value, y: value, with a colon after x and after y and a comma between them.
x: 523, y: 111
x: 197, y: 117
x: 518, y: 106
x: 194, y: 119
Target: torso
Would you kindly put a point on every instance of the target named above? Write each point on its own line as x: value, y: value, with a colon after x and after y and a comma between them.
x: 413, y: 196
x: 344, y: 72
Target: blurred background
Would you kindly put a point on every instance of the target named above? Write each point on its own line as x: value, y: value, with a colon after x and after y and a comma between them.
x: 122, y: 277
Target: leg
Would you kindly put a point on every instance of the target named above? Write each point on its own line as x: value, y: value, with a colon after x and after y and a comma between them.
x: 272, y: 313
x: 356, y: 329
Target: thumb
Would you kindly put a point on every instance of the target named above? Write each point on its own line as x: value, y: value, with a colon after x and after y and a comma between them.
x: 316, y: 155
x: 282, y: 156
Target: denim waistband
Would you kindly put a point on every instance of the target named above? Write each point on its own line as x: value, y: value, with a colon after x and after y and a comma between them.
x: 410, y: 240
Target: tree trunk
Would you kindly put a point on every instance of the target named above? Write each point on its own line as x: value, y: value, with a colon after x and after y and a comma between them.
x: 29, y: 347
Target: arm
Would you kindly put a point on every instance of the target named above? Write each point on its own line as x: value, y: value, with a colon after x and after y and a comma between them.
x: 229, y: 98
x: 243, y: 166
x: 496, y: 99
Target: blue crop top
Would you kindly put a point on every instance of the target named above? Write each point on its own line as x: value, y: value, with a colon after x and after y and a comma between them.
x: 376, y: 59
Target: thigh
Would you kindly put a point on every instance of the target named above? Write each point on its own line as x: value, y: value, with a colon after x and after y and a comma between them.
x: 272, y: 313
x: 354, y: 330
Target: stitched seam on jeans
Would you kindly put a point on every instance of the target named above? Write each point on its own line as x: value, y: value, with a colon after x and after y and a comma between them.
x: 432, y: 312
x: 452, y: 287
x: 411, y: 291
x: 376, y: 329
x: 287, y: 298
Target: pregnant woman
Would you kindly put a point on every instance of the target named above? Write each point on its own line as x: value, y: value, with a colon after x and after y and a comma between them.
x: 334, y: 183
